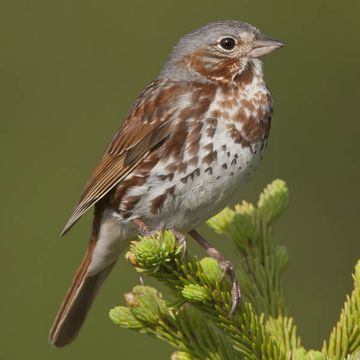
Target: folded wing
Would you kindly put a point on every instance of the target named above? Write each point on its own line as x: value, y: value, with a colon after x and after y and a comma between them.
x: 143, y: 131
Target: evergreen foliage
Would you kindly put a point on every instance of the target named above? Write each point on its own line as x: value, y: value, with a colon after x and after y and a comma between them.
x: 194, y: 317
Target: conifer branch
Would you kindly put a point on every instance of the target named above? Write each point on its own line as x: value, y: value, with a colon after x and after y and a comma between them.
x: 193, y: 314
x: 345, y: 337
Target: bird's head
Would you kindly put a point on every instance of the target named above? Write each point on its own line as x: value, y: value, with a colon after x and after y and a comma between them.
x: 218, y: 51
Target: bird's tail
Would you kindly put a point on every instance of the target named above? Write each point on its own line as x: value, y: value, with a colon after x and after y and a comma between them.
x: 85, y: 285
x: 77, y: 302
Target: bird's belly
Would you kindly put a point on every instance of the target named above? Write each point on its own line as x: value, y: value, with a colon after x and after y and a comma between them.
x: 192, y: 196
x: 220, y: 152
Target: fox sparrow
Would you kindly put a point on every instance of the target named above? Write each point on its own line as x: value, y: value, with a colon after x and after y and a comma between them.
x: 190, y: 140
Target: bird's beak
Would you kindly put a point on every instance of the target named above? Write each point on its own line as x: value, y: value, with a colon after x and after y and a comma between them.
x: 264, y: 46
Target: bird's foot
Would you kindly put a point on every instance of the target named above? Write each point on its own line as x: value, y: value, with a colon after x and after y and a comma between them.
x: 229, y: 270
x: 181, y: 242
x: 145, y: 231
x: 225, y: 265
x: 141, y: 279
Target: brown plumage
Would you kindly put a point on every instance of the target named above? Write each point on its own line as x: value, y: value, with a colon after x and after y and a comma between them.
x: 189, y: 141
x: 143, y: 130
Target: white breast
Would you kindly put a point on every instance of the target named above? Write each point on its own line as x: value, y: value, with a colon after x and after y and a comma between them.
x: 206, y: 187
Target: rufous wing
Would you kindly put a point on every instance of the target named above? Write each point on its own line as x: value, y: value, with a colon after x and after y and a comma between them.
x: 129, y: 147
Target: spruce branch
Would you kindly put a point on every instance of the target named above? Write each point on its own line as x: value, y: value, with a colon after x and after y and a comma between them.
x: 193, y: 315
x: 345, y: 337
x: 181, y: 327
x: 263, y: 261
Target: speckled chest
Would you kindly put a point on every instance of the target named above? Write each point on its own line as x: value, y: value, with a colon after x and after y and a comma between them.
x: 229, y: 145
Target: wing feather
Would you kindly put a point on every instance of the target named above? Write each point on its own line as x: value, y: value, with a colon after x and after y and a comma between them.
x: 130, y: 146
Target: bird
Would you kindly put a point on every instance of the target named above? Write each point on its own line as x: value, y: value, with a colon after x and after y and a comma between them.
x: 190, y: 141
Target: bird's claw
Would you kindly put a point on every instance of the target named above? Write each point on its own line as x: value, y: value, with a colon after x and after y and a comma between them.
x: 180, y: 238
x: 181, y: 241
x: 141, y: 279
x: 145, y: 231
x: 229, y: 270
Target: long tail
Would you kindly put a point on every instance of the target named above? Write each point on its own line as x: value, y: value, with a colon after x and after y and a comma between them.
x: 76, y: 305
x: 80, y: 295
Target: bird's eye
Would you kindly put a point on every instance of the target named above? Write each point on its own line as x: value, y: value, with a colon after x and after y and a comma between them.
x: 228, y: 43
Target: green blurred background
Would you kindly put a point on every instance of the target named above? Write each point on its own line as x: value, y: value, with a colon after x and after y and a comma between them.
x: 69, y: 71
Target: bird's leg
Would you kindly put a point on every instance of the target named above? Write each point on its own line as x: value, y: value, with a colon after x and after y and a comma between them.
x: 144, y: 229
x: 226, y: 265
